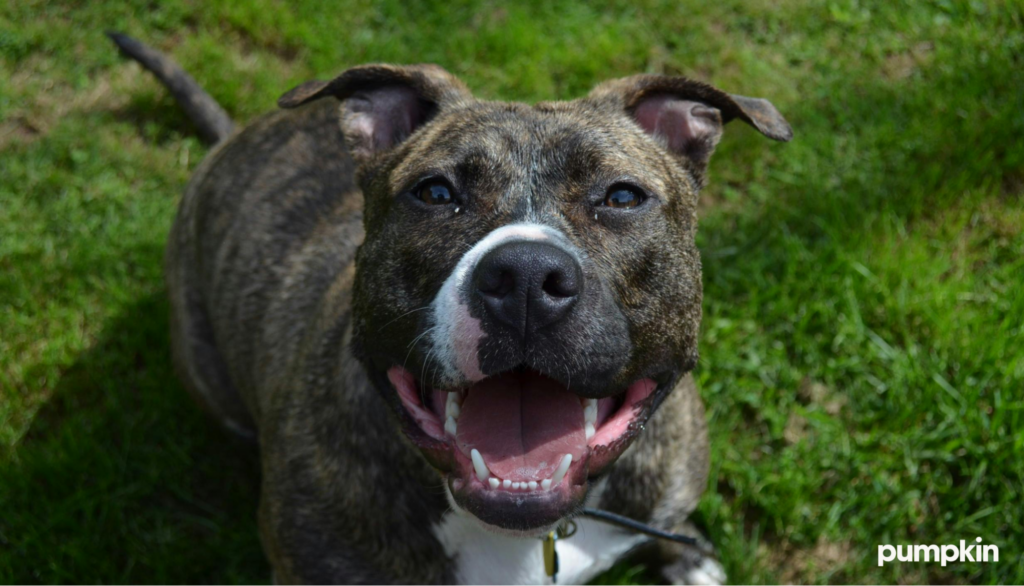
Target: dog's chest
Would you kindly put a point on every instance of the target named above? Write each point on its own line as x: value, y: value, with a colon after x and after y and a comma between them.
x: 483, y: 557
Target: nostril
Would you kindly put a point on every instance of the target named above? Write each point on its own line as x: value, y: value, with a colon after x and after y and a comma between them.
x: 497, y: 284
x: 558, y: 284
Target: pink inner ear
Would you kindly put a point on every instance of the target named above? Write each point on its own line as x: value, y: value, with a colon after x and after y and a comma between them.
x: 379, y: 119
x: 678, y: 122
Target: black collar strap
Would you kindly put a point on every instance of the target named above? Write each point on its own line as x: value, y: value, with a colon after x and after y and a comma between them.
x: 568, y: 529
x: 637, y: 526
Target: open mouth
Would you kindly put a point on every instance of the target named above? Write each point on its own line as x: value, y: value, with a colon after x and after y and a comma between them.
x: 518, y: 447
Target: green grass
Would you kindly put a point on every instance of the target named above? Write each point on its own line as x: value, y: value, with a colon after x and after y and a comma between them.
x: 863, y: 340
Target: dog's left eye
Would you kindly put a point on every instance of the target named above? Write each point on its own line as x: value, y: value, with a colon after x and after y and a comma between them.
x: 623, y: 197
x: 435, y: 193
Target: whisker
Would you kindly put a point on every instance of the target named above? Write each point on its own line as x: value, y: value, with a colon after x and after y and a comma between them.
x: 412, y: 345
x: 401, y: 316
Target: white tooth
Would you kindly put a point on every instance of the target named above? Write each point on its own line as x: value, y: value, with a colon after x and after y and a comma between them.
x: 478, y: 465
x: 590, y: 411
x: 493, y: 482
x: 546, y: 484
x: 450, y: 426
x: 515, y: 486
x: 532, y: 485
x: 589, y: 429
x: 506, y: 483
x: 452, y: 405
x: 563, y: 467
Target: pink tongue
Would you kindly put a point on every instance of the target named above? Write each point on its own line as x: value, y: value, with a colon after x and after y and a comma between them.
x: 523, y: 424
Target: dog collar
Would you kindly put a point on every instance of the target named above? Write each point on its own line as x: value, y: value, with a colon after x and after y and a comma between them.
x: 568, y: 528
x: 564, y: 531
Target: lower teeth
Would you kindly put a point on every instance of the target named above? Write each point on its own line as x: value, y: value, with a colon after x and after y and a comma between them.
x: 483, y: 473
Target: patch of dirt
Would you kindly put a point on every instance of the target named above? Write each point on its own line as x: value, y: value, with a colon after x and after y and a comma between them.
x: 246, y: 43
x: 485, y: 19
x: 16, y: 130
x: 796, y: 428
x: 797, y: 565
x: 812, y: 392
x: 52, y: 98
x: 900, y: 66
x: 1005, y: 221
x: 984, y: 233
x: 929, y: 575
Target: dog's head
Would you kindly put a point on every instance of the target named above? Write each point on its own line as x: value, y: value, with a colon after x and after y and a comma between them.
x: 529, y: 290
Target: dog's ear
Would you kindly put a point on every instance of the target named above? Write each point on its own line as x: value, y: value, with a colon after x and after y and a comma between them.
x: 687, y: 116
x: 383, y: 104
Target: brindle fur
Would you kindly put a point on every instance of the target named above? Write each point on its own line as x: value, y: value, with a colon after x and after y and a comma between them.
x: 296, y: 273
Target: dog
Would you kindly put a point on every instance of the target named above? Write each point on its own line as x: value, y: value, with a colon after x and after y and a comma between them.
x: 451, y: 324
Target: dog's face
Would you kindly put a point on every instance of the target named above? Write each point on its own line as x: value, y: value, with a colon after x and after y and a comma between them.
x: 529, y: 289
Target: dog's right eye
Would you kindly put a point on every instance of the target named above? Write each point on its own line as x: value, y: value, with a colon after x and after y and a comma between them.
x: 435, y: 193
x: 623, y: 197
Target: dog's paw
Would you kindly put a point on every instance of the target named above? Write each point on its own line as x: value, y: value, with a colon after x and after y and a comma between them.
x: 708, y: 571
x: 702, y: 570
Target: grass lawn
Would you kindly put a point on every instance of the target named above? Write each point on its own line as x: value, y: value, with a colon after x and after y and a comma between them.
x: 863, y: 336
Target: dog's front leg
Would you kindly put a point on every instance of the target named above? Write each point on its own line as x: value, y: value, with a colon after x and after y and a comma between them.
x: 342, y: 500
x: 310, y: 543
x: 685, y: 564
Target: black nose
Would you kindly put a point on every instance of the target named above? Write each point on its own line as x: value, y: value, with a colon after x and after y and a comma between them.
x: 528, y: 285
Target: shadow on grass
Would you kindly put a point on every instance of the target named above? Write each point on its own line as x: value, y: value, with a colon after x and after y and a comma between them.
x: 122, y: 479
x: 156, y: 117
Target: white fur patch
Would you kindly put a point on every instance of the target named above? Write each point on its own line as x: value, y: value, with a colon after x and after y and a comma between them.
x: 456, y: 334
x: 708, y: 572
x: 485, y: 557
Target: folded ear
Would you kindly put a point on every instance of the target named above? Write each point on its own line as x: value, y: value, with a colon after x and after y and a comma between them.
x: 687, y: 116
x: 383, y: 104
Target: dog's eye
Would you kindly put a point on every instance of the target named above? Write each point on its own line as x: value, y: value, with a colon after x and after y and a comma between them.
x: 623, y: 197
x: 435, y: 193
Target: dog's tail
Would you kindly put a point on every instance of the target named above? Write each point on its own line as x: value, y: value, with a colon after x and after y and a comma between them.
x: 213, y: 122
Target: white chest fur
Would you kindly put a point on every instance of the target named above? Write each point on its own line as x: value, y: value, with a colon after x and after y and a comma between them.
x: 483, y: 557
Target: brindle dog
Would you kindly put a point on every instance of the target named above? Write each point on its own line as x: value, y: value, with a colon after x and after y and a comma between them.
x: 449, y: 323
